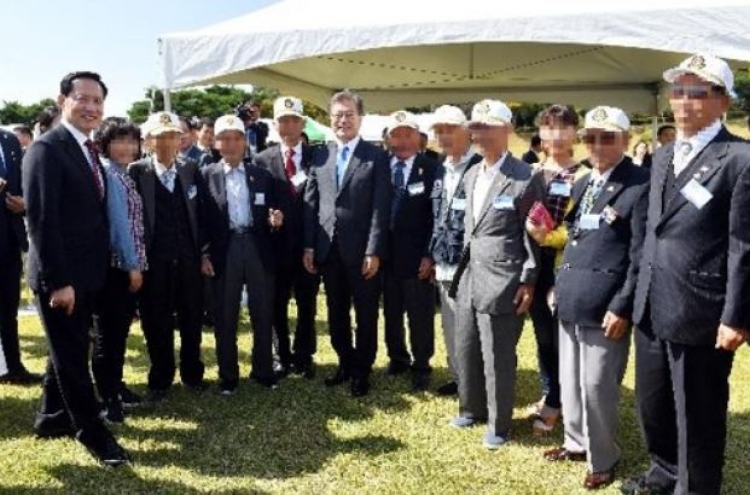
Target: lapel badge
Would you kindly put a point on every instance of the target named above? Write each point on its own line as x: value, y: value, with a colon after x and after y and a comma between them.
x: 696, y: 176
x: 609, y: 215
x: 704, y: 168
x: 420, y: 172
x: 610, y: 189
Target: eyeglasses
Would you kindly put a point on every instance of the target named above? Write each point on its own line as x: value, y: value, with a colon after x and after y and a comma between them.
x: 344, y: 115
x: 694, y: 92
x: 604, y: 138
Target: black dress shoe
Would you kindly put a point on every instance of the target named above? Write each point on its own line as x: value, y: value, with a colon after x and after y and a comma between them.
x: 270, y: 383
x: 447, y: 390
x: 199, y: 387
x: 639, y: 485
x: 113, y: 412
x: 341, y: 376
x: 53, y: 426
x: 420, y: 381
x: 103, y: 446
x: 307, y: 370
x: 21, y: 377
x: 129, y: 398
x: 359, y: 386
x: 156, y: 395
x: 397, y: 368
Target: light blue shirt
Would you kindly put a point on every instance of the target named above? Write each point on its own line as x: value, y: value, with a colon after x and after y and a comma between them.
x: 344, y: 157
x: 238, y: 197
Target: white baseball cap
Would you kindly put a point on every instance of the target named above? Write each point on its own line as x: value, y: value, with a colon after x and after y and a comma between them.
x: 605, y: 118
x: 709, y: 68
x: 491, y: 112
x: 287, y: 105
x: 228, y: 123
x: 160, y: 123
x: 448, y: 115
x: 402, y: 118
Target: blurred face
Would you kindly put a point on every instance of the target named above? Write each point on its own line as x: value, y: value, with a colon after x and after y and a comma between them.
x: 605, y: 147
x: 558, y: 140
x: 254, y: 112
x: 696, y: 103
x: 667, y: 136
x: 454, y: 140
x: 123, y: 150
x: 84, y: 106
x: 231, y: 145
x: 641, y: 149
x: 166, y: 145
x: 404, y: 142
x: 345, y: 120
x: 290, y: 128
x: 186, y: 138
x: 23, y: 138
x: 206, y: 136
x: 490, y: 140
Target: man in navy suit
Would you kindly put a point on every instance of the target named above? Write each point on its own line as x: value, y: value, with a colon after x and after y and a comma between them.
x: 68, y: 258
x: 692, y: 303
x: 12, y: 242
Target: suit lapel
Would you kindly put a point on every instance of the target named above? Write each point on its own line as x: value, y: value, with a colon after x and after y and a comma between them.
x: 186, y: 181
x: 500, y: 182
x: 470, y: 182
x: 611, y: 188
x: 218, y: 186
x: 354, y: 162
x: 75, y: 153
x: 576, y: 196
x: 148, y: 187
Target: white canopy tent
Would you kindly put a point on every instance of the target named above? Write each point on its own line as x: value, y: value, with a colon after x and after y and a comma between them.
x: 398, y: 53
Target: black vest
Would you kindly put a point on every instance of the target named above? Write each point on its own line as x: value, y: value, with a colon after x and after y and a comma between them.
x: 172, y: 237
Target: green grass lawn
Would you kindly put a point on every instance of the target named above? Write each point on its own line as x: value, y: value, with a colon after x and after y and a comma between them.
x: 304, y: 438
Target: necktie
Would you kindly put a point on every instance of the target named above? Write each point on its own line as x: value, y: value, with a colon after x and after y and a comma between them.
x: 95, y: 167
x: 341, y: 163
x: 589, y: 198
x: 682, y: 150
x: 398, y: 189
x: 167, y: 178
x: 289, y: 168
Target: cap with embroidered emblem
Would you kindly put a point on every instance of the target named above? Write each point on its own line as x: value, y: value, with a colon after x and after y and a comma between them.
x: 708, y: 67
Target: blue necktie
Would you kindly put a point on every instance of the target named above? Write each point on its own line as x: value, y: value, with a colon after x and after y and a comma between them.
x: 398, y: 192
x: 341, y: 163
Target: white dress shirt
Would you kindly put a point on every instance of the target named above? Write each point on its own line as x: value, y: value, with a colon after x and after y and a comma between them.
x: 485, y: 178
x: 296, y: 158
x: 409, y: 162
x: 692, y: 146
x: 238, y: 197
x: 453, y: 172
x: 80, y: 138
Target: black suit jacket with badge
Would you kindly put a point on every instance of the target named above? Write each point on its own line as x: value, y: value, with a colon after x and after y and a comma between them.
x: 600, y: 266
x: 695, y: 266
x: 12, y: 154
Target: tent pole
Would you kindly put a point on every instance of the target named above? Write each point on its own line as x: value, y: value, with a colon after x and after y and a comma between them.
x: 167, y: 101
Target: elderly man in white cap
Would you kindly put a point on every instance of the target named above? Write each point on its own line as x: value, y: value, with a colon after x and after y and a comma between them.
x: 692, y: 303
x: 172, y: 219
x: 408, y: 265
x: 606, y: 225
x: 449, y: 206
x: 241, y: 212
x: 289, y: 163
x: 497, y: 274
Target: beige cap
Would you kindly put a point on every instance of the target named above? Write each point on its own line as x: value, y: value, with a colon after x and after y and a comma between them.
x: 228, y: 123
x: 607, y: 119
x: 491, y: 112
x: 287, y: 105
x: 707, y: 67
x: 448, y: 115
x: 402, y: 118
x: 160, y: 123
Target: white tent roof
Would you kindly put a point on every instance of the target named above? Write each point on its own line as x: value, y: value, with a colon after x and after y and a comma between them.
x: 398, y: 53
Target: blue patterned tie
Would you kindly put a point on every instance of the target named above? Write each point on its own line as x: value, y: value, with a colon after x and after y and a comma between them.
x: 341, y: 163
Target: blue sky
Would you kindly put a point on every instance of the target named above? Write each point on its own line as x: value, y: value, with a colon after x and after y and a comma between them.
x: 42, y: 40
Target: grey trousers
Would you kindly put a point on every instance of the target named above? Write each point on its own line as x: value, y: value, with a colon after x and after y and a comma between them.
x: 591, y: 371
x: 486, y: 361
x: 448, y: 317
x: 244, y: 268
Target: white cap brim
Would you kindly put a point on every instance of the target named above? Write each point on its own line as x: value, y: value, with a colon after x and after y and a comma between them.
x: 159, y: 130
x: 289, y: 113
x: 391, y: 128
x: 459, y: 123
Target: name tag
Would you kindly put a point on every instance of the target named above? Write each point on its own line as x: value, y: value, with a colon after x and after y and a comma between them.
x: 299, y: 178
x: 696, y: 194
x: 416, y: 189
x: 560, y: 188
x: 260, y: 199
x: 503, y: 202
x: 589, y: 222
x: 458, y: 204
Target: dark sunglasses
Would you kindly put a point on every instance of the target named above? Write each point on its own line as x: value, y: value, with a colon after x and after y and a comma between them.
x: 694, y: 92
x: 600, y: 138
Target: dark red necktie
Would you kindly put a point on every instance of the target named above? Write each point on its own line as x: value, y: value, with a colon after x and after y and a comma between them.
x: 290, y: 169
x: 95, y: 167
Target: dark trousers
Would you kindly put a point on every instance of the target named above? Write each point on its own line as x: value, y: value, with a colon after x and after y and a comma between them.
x: 244, y: 268
x: 682, y: 396
x: 68, y: 392
x: 172, y: 288
x: 295, y: 279
x: 344, y: 285
x: 416, y: 298
x: 546, y: 331
x: 115, y: 311
x: 10, y: 297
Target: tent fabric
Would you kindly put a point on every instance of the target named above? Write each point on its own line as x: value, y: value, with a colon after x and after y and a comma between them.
x: 398, y: 54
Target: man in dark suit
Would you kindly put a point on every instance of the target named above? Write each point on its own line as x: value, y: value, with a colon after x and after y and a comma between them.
x: 347, y: 203
x: 289, y: 163
x: 242, y: 211
x: 692, y: 303
x: 449, y: 206
x: 68, y: 258
x: 408, y: 269
x: 595, y: 289
x: 501, y: 265
x: 172, y: 192
x: 12, y: 242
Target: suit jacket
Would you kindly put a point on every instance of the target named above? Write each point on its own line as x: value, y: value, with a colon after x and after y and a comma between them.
x: 217, y: 213
x: 16, y: 230
x: 412, y: 224
x: 695, y: 267
x: 503, y: 256
x: 600, y: 267
x: 289, y: 238
x: 66, y: 219
x: 144, y: 175
x: 448, y: 232
x: 357, y: 213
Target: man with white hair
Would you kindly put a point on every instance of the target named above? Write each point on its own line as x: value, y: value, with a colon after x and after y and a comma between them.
x: 499, y: 267
x: 449, y: 206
